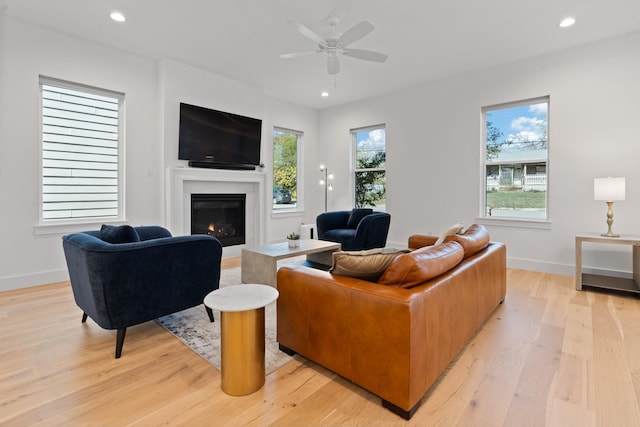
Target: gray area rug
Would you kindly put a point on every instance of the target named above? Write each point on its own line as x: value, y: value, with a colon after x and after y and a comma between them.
x: 192, y: 327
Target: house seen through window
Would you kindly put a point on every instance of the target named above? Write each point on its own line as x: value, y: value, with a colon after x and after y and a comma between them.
x: 515, y: 160
x: 286, y: 149
x: 81, y: 139
x: 370, y: 174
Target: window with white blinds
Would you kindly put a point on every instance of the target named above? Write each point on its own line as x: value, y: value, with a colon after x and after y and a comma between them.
x: 80, y: 145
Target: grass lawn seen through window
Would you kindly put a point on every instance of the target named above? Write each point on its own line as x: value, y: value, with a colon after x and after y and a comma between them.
x: 516, y: 199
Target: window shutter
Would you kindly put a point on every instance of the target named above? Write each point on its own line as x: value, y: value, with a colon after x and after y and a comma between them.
x: 80, y: 135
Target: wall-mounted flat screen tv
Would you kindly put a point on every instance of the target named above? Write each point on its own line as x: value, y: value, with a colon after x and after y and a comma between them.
x: 212, y: 138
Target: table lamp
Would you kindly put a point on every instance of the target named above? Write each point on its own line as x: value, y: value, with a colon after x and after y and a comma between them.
x: 610, y: 190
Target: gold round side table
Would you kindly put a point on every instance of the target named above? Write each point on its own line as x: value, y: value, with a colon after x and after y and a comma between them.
x: 242, y: 335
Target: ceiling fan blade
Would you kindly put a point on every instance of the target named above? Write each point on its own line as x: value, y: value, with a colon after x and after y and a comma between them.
x: 298, y: 54
x: 367, y: 55
x: 333, y: 64
x: 307, y: 32
x: 356, y: 32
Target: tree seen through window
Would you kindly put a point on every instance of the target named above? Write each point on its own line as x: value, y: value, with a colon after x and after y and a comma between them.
x: 370, y: 167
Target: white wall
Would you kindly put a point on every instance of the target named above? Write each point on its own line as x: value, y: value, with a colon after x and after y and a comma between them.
x: 31, y: 255
x: 433, y: 149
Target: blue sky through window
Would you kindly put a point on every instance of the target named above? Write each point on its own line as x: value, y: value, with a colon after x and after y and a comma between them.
x: 371, y: 139
x: 524, y: 122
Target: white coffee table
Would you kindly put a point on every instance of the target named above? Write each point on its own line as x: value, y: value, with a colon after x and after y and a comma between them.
x: 260, y: 264
x: 241, y: 335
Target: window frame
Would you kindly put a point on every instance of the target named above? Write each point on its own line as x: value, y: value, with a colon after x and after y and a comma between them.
x: 354, y: 162
x: 513, y: 221
x: 299, y: 205
x: 56, y: 225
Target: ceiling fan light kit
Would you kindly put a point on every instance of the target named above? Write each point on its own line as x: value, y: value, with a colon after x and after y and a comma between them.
x: 333, y: 44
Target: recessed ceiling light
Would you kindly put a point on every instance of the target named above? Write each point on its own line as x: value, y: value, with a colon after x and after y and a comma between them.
x: 118, y: 17
x: 567, y: 22
x: 324, y: 94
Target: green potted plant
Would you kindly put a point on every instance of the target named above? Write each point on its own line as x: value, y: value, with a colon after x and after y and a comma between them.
x: 294, y: 240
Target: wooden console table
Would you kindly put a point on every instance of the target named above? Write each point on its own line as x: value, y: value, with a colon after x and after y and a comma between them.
x: 623, y: 284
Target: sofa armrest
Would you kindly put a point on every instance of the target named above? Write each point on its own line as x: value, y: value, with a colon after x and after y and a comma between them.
x: 419, y: 241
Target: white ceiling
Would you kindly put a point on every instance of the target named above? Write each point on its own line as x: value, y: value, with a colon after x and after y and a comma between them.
x: 424, y: 39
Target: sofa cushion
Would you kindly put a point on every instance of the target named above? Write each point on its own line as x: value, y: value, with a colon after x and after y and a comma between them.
x: 356, y: 216
x: 414, y: 268
x: 119, y: 234
x: 365, y: 265
x: 454, y: 229
x: 473, y: 240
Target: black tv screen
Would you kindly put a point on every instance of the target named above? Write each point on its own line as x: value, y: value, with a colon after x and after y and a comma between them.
x: 218, y: 138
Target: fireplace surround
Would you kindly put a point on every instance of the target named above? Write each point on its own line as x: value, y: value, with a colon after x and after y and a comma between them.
x: 182, y: 182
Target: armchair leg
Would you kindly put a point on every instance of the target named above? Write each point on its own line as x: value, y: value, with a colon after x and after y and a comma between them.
x: 84, y: 317
x: 210, y: 313
x: 120, y: 341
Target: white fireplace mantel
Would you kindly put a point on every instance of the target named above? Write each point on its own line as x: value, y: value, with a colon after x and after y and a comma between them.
x: 183, y: 181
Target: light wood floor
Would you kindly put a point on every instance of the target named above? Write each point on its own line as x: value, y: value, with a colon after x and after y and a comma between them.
x: 548, y: 356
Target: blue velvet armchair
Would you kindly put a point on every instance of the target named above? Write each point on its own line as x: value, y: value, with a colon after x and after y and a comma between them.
x: 357, y: 229
x: 123, y: 276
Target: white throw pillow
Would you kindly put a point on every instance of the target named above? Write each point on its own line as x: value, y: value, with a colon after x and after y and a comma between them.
x: 454, y: 229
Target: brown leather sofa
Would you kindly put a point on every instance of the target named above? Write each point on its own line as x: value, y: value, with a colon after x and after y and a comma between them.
x: 391, y: 340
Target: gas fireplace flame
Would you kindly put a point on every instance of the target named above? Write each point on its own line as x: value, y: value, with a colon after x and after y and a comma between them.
x: 221, y: 230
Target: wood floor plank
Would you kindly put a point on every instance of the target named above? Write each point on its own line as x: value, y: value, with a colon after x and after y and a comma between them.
x: 566, y: 414
x: 550, y: 355
x: 628, y: 311
x: 533, y: 390
x: 614, y: 392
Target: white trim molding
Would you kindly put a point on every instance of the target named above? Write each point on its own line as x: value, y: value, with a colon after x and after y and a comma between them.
x: 183, y: 181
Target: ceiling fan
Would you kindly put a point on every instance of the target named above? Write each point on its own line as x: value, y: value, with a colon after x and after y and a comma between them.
x: 334, y: 44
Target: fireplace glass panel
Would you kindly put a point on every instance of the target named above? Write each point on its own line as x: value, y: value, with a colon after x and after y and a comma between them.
x: 219, y: 215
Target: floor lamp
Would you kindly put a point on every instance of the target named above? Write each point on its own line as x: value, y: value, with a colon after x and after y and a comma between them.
x: 324, y: 180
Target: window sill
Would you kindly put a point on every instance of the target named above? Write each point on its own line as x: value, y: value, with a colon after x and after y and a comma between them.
x: 44, y: 229
x: 285, y: 213
x: 540, y: 224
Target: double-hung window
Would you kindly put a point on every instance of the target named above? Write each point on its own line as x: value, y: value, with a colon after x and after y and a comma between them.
x: 286, y: 156
x: 370, y: 176
x: 515, y: 158
x: 81, y: 145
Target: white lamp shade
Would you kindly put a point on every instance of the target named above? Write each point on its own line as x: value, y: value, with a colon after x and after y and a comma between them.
x: 609, y: 189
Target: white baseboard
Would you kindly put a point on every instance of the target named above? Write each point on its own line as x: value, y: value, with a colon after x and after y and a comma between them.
x: 541, y: 266
x: 35, y: 279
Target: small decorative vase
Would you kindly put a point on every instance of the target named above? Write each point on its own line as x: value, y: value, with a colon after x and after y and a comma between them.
x: 294, y: 243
